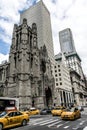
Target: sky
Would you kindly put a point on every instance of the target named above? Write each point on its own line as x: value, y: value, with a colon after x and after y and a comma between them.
x: 64, y: 14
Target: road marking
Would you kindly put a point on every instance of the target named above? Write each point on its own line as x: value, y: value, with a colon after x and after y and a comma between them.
x: 42, y: 122
x: 49, y: 122
x: 59, y: 125
x: 75, y: 128
x: 31, y: 120
x: 54, y: 124
x: 85, y: 128
x: 66, y: 122
x: 82, y: 122
x: 65, y: 127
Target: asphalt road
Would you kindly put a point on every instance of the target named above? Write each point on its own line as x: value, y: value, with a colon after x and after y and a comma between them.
x: 48, y: 122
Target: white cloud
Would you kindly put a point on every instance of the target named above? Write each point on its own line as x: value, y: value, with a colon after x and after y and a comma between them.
x: 3, y: 57
x: 5, y: 38
x: 9, y: 14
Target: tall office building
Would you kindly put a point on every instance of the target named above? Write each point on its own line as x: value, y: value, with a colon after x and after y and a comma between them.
x: 73, y: 62
x: 67, y: 47
x: 63, y: 91
x: 66, y: 41
x: 40, y: 15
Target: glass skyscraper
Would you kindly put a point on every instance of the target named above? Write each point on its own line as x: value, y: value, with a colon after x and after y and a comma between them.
x: 66, y: 41
x: 40, y: 15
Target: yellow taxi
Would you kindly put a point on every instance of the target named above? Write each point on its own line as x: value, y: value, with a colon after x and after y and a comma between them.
x: 26, y: 112
x: 58, y: 111
x: 10, y: 119
x: 71, y: 114
x: 34, y: 111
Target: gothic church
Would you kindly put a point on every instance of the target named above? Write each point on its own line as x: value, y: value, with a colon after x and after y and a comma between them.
x: 27, y: 75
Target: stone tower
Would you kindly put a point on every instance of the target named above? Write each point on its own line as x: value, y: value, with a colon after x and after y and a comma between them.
x: 30, y: 77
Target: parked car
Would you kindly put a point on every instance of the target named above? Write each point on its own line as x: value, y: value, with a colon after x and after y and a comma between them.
x: 10, y: 119
x: 58, y: 110
x: 34, y: 111
x: 31, y: 111
x: 45, y: 111
x: 81, y: 108
x: 71, y: 114
x: 26, y: 112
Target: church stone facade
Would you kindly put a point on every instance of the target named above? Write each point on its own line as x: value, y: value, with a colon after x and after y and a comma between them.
x: 28, y: 74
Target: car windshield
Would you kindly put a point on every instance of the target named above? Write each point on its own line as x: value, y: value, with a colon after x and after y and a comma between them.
x: 32, y: 109
x: 58, y: 108
x: 80, y: 107
x: 3, y: 114
x: 71, y: 110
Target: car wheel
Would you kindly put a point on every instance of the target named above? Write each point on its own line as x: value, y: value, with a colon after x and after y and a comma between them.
x: 1, y: 126
x: 24, y: 122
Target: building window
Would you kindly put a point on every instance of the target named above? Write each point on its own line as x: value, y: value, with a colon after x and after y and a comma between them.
x: 56, y: 84
x: 55, y: 75
x: 60, y: 79
x: 60, y: 83
x: 59, y: 74
x: 14, y: 79
x: 55, y: 66
x: 59, y: 70
x: 58, y: 65
x: 55, y: 70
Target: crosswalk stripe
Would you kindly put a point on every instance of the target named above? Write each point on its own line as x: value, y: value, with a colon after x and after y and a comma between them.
x: 54, y: 124
x: 48, y: 122
x: 32, y: 121
x: 65, y: 127
x: 75, y: 128
x: 59, y: 125
x: 36, y: 119
x: 85, y: 128
x: 81, y: 123
x: 42, y: 122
